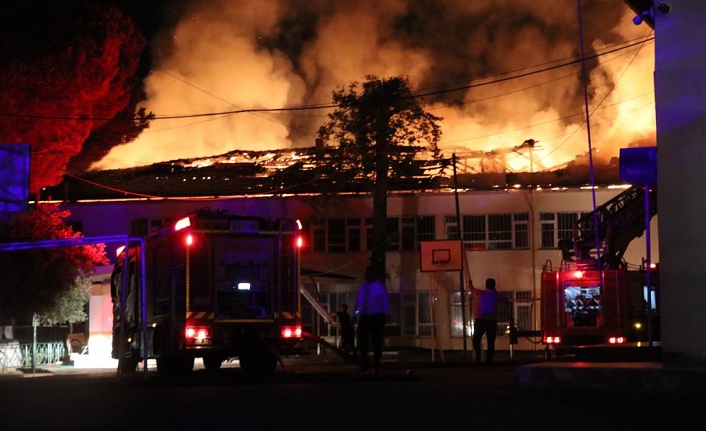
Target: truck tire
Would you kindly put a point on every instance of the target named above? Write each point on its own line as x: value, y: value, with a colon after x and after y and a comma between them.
x: 175, y: 364
x: 212, y: 363
x: 127, y: 365
x: 260, y: 358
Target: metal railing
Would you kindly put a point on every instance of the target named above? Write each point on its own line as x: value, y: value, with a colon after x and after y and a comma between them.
x: 320, y: 309
x: 13, y: 355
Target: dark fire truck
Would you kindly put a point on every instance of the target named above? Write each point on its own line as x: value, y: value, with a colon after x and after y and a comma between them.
x: 216, y: 287
x: 594, y: 298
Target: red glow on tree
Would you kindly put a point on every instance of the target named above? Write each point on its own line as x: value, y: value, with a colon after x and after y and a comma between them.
x: 56, y: 97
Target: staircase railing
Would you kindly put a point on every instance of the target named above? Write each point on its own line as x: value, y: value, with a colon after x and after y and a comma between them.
x: 320, y: 309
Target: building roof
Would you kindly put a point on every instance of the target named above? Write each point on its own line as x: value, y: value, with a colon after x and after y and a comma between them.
x: 293, y: 171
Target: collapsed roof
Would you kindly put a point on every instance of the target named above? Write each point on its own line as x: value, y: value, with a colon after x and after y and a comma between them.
x: 294, y: 171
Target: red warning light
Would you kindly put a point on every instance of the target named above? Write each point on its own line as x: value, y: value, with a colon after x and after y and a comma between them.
x: 578, y: 274
x: 189, y: 239
x: 300, y: 242
x: 616, y: 340
x: 291, y: 332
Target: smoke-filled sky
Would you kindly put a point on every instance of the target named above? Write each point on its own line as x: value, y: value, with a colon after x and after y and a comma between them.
x: 511, y: 61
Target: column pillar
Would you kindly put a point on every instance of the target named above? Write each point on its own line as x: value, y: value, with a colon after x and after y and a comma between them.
x: 680, y: 96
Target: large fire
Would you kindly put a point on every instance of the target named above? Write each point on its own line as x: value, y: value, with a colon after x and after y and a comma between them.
x: 514, y: 63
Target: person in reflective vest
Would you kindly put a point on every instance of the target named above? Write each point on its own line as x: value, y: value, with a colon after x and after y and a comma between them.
x: 372, y: 308
x: 485, y: 321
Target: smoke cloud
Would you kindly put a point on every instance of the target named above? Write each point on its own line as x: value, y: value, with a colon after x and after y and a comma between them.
x: 504, y: 57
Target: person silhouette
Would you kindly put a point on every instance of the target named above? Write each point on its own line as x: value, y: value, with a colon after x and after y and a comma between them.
x: 485, y: 309
x: 372, y: 308
x: 347, y: 330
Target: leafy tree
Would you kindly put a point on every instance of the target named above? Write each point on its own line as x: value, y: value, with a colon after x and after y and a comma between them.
x: 66, y: 70
x: 37, y: 280
x: 377, y: 128
x: 70, y: 307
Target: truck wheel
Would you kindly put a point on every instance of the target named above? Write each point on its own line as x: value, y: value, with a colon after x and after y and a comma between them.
x: 212, y: 362
x: 127, y: 365
x: 185, y: 364
x: 258, y: 359
x: 165, y: 365
x: 175, y: 364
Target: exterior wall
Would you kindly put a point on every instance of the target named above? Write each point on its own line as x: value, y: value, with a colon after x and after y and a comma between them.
x: 100, y: 315
x: 514, y: 269
x: 680, y: 67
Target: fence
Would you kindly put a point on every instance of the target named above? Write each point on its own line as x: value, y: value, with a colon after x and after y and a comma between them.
x: 15, y: 355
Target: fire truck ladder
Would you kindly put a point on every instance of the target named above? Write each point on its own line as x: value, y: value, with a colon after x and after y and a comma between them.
x: 317, y: 306
x: 620, y: 220
x: 321, y: 310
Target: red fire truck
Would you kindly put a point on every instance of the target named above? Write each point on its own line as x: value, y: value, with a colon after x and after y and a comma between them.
x: 592, y: 300
x: 213, y: 286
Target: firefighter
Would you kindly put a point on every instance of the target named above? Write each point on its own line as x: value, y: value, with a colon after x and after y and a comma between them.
x: 372, y: 308
x: 485, y: 310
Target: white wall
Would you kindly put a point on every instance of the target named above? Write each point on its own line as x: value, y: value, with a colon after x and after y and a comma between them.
x: 513, y: 269
x: 680, y: 89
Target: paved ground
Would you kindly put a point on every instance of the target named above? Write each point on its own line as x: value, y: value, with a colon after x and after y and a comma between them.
x: 412, y: 392
x: 530, y: 370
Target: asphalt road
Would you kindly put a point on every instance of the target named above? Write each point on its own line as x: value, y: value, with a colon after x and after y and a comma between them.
x: 315, y: 396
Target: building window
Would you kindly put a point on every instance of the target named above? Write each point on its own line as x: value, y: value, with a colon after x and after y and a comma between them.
x: 520, y: 230
x: 517, y: 309
x: 392, y: 328
x: 336, y: 235
x: 156, y: 224
x: 336, y: 228
x: 403, y: 233
x: 318, y: 236
x: 392, y: 230
x: 523, y: 309
x: 456, y: 314
x: 490, y: 232
x: 353, y: 234
x: 424, y: 324
x: 451, y: 227
x: 499, y: 231
x: 547, y: 227
x: 139, y: 227
x: 474, y: 232
x: 555, y: 227
x: 409, y: 314
x: 416, y: 230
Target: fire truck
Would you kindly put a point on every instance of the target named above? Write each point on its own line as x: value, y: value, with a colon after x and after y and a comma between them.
x: 593, y: 297
x: 211, y: 285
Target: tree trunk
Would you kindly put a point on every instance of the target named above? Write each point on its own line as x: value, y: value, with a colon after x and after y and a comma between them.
x: 380, y: 239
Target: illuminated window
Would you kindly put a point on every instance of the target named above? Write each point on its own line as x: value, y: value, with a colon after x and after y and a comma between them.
x: 518, y: 309
x: 424, y: 314
x: 456, y: 314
